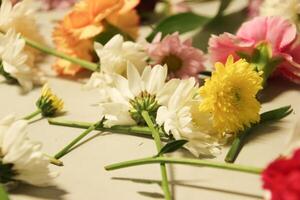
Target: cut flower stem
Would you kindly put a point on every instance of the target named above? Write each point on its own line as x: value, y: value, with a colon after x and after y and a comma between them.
x: 239, y: 141
x: 32, y: 115
x: 131, y: 130
x: 67, y: 148
x: 156, y: 137
x: 83, y: 63
x: 54, y: 161
x: 185, y: 161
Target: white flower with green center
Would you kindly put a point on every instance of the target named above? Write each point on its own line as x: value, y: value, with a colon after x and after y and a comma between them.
x: 136, y: 93
x: 181, y: 118
x: 14, y: 66
x: 20, y: 158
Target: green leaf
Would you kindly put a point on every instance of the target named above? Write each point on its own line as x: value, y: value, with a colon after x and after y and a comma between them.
x: 275, y: 114
x: 172, y: 146
x: 239, y: 141
x: 109, y: 32
x: 229, y: 23
x: 223, y: 5
x: 3, y: 193
x: 182, y: 23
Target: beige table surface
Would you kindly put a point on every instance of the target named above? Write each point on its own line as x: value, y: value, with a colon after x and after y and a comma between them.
x: 84, y: 178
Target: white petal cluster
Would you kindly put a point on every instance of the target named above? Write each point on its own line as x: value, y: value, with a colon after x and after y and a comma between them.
x: 288, y: 9
x: 176, y: 106
x: 29, y: 163
x: 152, y: 81
x: 114, y: 57
x: 15, y: 61
x: 180, y: 116
x: 116, y: 53
x: 20, y: 17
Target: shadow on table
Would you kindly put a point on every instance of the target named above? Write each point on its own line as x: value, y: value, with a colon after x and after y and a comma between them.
x: 50, y: 192
x: 275, y: 88
x: 259, y: 133
x: 183, y: 183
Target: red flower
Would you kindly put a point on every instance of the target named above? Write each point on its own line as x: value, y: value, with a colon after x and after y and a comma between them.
x: 282, y: 178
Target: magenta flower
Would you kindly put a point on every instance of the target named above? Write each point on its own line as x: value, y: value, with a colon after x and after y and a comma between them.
x: 279, y: 34
x: 182, y: 59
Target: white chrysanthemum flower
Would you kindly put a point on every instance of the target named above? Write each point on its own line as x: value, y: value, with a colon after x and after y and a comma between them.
x: 116, y: 53
x: 181, y: 118
x: 288, y: 9
x: 14, y: 66
x: 20, y: 158
x: 103, y: 82
x: 129, y: 97
x: 20, y: 17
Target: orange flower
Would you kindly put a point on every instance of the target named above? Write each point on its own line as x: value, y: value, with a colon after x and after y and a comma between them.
x: 87, y: 19
x: 68, y: 44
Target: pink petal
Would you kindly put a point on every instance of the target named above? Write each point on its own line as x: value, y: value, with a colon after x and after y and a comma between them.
x: 220, y: 47
x: 279, y: 32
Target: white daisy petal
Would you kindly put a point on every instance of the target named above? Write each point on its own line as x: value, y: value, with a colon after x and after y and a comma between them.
x: 31, y: 165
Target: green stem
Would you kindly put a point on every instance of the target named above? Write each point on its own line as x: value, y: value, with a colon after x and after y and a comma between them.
x: 67, y: 148
x: 266, y: 117
x: 185, y: 161
x: 156, y: 136
x: 237, y: 146
x: 131, y: 130
x: 54, y: 161
x: 32, y: 115
x: 86, y: 64
x: 3, y: 193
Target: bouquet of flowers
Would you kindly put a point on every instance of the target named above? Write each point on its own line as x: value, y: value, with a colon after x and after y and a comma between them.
x: 162, y: 71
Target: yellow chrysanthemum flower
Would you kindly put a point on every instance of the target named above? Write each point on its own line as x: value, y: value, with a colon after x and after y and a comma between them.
x: 49, y: 103
x: 230, y: 96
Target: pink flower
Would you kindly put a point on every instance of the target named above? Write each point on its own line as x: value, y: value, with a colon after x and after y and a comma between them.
x: 277, y: 32
x: 282, y: 178
x: 182, y: 59
x: 60, y: 4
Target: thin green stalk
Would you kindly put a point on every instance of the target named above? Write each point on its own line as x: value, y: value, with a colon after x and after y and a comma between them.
x: 266, y: 117
x: 131, y: 130
x: 156, y: 136
x: 32, y: 115
x: 85, y: 64
x: 185, y: 161
x: 67, y: 148
x: 54, y: 161
x: 3, y: 193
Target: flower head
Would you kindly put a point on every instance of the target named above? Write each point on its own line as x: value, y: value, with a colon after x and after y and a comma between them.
x: 182, y: 59
x: 129, y: 97
x: 20, y: 158
x: 67, y: 43
x: 278, y: 33
x: 230, y: 96
x: 179, y: 117
x: 49, y: 103
x: 74, y: 35
x: 281, y: 178
x: 20, y: 17
x: 14, y: 62
x: 116, y: 54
